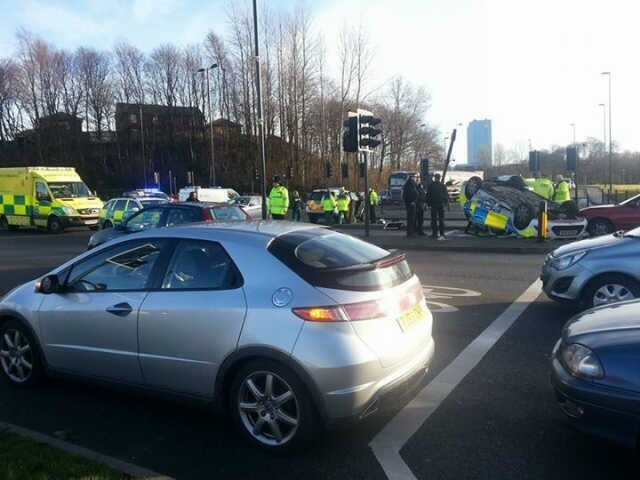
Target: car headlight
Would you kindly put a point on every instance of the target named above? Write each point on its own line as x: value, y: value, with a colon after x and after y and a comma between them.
x: 566, y: 261
x: 581, y: 361
x: 68, y: 210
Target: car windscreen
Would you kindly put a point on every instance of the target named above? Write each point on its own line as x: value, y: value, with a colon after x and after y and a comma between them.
x: 330, y: 259
x: 69, y: 189
x: 317, y: 196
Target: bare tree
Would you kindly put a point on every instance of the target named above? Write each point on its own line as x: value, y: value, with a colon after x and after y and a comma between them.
x: 95, y: 69
x: 129, y: 70
x: 9, y: 107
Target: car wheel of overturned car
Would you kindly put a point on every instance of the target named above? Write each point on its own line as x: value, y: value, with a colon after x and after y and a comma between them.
x: 19, y: 355
x: 599, y: 226
x: 271, y: 406
x: 472, y: 186
x: 610, y: 288
x: 522, y: 216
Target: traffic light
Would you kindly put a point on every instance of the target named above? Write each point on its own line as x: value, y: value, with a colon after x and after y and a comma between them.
x: 572, y: 159
x: 345, y: 170
x: 328, y: 169
x: 425, y: 174
x: 289, y: 173
x: 350, y: 133
x: 367, y: 132
x: 256, y: 174
x: 534, y: 161
x: 190, y: 179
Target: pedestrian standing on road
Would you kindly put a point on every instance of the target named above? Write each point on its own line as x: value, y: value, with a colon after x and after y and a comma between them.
x: 342, y: 203
x: 437, y: 198
x: 410, y: 198
x: 278, y: 200
x: 296, y: 206
x: 193, y: 197
x: 330, y: 208
x: 561, y: 192
x: 373, y: 202
x: 421, y: 203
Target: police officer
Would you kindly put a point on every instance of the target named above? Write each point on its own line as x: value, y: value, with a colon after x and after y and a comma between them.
x: 543, y: 187
x: 437, y: 198
x: 373, y: 202
x: 329, y: 206
x: 278, y: 200
x: 343, y: 206
x: 410, y: 198
x: 561, y: 191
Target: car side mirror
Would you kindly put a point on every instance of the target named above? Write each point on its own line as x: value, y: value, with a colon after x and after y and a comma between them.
x: 49, y: 284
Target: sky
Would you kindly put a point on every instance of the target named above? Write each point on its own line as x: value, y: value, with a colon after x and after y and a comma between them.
x: 532, y: 67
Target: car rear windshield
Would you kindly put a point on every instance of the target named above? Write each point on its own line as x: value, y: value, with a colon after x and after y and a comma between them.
x: 227, y: 213
x: 329, y: 259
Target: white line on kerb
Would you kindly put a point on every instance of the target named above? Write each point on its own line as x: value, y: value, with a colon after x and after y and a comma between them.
x: 387, y: 444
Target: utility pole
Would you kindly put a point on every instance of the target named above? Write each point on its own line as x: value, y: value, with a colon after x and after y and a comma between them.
x: 144, y: 162
x: 259, y: 111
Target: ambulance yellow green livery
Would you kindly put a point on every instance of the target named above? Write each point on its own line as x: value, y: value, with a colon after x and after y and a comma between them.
x: 49, y: 197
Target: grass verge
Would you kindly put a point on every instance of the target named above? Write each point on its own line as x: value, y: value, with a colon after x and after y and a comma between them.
x: 25, y: 459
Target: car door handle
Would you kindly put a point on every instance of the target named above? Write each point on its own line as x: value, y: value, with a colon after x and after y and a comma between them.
x: 120, y: 309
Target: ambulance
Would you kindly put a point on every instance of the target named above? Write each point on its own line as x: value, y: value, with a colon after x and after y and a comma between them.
x: 49, y: 197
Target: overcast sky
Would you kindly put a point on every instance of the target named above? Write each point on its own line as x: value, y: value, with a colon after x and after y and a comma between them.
x: 532, y: 67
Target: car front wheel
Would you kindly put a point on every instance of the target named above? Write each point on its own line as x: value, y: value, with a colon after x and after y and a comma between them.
x: 610, y: 288
x: 599, y: 226
x: 19, y: 355
x: 271, y: 406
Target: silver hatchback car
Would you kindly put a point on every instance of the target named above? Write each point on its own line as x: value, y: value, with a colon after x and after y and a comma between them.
x: 287, y: 326
x: 595, y: 271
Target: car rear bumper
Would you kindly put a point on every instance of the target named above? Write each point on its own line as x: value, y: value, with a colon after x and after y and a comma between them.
x: 596, y: 410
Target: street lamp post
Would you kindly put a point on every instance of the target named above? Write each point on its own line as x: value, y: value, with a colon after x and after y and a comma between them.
x: 444, y: 151
x: 604, y: 126
x: 573, y: 126
x: 608, y: 74
x: 212, y: 167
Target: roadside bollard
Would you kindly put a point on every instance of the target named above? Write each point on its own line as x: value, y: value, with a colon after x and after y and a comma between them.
x: 542, y: 222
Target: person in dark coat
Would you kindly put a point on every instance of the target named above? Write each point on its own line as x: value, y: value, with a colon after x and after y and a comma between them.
x: 421, y: 203
x: 437, y: 198
x: 410, y: 197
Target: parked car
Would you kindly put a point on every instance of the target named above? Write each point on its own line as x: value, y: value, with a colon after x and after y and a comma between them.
x: 286, y: 325
x: 120, y: 209
x: 168, y: 215
x: 604, y: 219
x: 252, y: 204
x: 594, y: 372
x: 594, y: 271
x: 506, y: 204
x: 148, y: 194
x: 313, y: 204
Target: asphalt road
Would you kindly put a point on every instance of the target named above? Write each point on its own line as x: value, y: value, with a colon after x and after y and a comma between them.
x: 501, y: 421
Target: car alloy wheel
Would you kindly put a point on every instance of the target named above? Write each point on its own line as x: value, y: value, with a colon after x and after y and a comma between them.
x: 268, y: 408
x: 17, y: 356
x: 599, y: 227
x: 611, y: 293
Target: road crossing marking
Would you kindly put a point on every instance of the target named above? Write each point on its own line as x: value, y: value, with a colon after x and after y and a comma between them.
x: 432, y: 292
x: 387, y: 443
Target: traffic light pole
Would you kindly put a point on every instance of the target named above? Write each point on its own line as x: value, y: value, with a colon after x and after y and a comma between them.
x: 367, y: 196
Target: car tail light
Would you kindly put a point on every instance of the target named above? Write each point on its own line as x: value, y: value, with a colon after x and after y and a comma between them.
x: 371, y: 310
x: 207, y: 215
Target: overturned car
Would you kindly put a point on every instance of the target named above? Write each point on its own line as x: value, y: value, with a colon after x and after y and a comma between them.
x: 506, y: 205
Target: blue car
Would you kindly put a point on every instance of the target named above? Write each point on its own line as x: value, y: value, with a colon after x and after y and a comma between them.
x: 595, y: 375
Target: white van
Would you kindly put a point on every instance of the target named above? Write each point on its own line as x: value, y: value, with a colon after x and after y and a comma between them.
x: 215, y: 194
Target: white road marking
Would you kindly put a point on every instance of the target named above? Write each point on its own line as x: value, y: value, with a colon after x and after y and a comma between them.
x: 128, y: 468
x: 435, y: 291
x: 387, y: 444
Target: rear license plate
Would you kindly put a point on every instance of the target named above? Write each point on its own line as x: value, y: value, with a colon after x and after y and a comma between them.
x: 567, y: 233
x: 91, y: 222
x: 412, y: 317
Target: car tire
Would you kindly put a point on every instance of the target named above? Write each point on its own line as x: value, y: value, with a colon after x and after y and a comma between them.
x: 107, y: 224
x: 278, y: 419
x: 472, y: 186
x: 609, y: 288
x: 19, y: 355
x: 54, y: 225
x: 522, y: 215
x: 4, y: 223
x: 599, y: 226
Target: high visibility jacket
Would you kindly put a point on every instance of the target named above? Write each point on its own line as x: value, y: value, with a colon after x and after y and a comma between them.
x: 343, y: 202
x: 373, y: 197
x: 562, y: 193
x: 543, y: 187
x: 278, y: 200
x: 328, y: 203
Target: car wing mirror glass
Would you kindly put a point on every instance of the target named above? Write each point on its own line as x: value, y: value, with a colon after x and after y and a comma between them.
x: 49, y: 284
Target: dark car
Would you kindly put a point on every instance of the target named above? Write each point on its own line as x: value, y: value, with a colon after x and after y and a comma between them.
x: 170, y: 214
x: 603, y: 219
x: 594, y: 372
